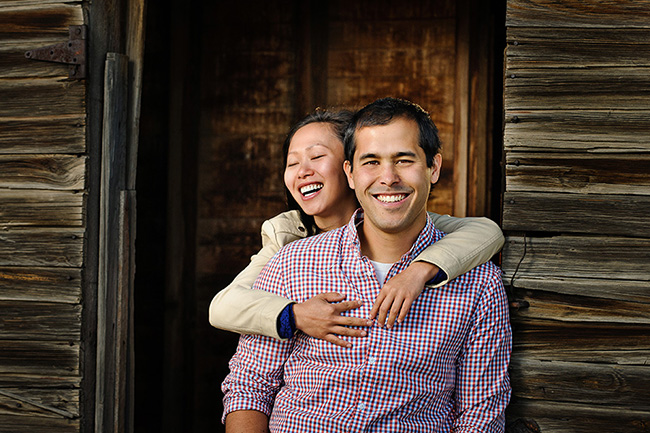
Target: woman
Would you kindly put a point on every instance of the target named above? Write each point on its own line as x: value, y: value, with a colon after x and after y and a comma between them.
x: 320, y: 199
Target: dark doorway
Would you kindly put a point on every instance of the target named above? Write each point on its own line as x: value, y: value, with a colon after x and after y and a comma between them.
x: 223, y: 82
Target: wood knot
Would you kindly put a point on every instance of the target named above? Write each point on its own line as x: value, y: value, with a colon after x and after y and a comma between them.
x: 523, y: 425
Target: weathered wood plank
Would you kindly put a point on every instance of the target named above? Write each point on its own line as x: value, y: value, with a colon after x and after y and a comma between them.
x: 22, y: 424
x: 575, y: 382
x: 379, y: 10
x: 58, y: 134
x: 37, y: 20
x: 624, y: 290
x: 578, y: 173
x: 578, y: 13
x: 36, y: 380
x: 429, y: 35
x: 624, y: 343
x: 583, y: 48
x: 60, y: 285
x: 572, y: 308
x: 61, y: 246
x: 593, y: 88
x: 41, y: 208
x: 45, y: 358
x: 40, y: 402
x: 45, y: 97
x: 577, y: 213
x: 578, y: 257
x: 577, y: 131
x: 40, y: 321
x: 562, y: 417
x: 60, y: 172
x: 14, y: 64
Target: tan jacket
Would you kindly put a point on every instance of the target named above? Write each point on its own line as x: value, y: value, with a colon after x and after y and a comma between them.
x: 469, y: 243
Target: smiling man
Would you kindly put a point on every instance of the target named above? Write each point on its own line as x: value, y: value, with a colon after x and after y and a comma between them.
x: 444, y: 369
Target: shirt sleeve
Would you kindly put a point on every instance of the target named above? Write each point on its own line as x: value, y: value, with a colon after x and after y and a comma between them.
x: 237, y: 308
x: 256, y: 369
x: 469, y: 242
x: 482, y: 383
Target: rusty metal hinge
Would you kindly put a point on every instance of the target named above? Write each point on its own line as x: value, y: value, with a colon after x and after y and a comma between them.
x: 72, y: 52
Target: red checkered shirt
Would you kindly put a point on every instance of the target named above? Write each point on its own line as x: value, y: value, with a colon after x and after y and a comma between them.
x: 444, y: 369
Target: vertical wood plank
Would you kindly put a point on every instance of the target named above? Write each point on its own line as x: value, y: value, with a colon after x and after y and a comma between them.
x: 461, y: 111
x: 112, y: 183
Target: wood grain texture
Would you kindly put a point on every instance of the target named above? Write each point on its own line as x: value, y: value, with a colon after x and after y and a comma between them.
x: 578, y: 13
x: 563, y: 417
x: 585, y: 130
x: 553, y: 47
x: 577, y: 213
x: 54, y: 134
x: 610, y: 257
x: 586, y: 307
x: 45, y: 358
x: 58, y: 247
x: 41, y: 208
x: 59, y: 172
x: 40, y: 402
x: 592, y: 88
x: 44, y: 97
x: 578, y: 173
x: 60, y: 285
x: 22, y: 424
x: 33, y: 20
x: 36, y: 321
x: 610, y: 385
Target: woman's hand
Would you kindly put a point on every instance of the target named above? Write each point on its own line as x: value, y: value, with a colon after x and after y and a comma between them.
x: 322, y: 319
x: 398, y: 293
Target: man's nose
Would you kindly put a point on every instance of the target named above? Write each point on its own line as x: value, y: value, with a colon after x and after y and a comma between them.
x: 389, y: 175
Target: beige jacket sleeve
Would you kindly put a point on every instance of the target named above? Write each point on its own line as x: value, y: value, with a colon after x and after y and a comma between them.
x: 469, y: 242
x: 238, y: 308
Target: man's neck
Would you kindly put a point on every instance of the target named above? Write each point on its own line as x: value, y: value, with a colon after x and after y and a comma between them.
x: 387, y: 247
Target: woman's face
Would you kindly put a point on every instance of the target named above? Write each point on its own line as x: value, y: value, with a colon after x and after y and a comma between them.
x: 314, y: 175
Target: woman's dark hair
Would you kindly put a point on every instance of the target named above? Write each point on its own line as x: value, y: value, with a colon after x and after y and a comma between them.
x: 338, y: 122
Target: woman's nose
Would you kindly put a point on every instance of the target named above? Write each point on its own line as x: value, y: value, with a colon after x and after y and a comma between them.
x: 305, y: 170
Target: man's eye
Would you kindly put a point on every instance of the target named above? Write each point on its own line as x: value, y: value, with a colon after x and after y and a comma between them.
x: 404, y: 161
x: 370, y: 163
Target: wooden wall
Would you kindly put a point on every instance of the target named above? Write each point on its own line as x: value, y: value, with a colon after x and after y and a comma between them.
x: 575, y: 208
x: 42, y: 222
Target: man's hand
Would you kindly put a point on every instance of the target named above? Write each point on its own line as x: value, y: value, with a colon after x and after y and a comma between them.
x: 397, y: 295
x: 322, y: 319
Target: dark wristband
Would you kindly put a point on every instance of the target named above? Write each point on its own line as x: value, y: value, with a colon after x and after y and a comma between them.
x: 286, y: 323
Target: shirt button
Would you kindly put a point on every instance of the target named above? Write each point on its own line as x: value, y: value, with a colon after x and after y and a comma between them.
x: 372, y: 360
x: 361, y: 406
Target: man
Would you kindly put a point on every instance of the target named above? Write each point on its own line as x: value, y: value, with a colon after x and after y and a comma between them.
x: 443, y: 369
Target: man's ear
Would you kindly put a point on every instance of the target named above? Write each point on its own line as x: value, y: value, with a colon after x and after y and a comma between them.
x: 435, y: 172
x: 347, y: 168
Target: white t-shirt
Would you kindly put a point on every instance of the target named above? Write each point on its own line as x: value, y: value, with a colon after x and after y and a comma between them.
x: 381, y: 270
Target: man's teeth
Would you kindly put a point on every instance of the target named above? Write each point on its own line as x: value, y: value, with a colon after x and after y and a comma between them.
x: 391, y: 198
x: 311, y: 188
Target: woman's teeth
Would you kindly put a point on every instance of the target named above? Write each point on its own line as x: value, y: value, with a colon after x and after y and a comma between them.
x: 391, y: 198
x: 311, y: 188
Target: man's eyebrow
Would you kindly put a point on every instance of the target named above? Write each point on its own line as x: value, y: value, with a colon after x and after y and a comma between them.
x: 368, y: 156
x: 395, y: 155
x: 405, y: 153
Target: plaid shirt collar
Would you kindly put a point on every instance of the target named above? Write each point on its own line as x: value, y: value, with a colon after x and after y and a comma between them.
x: 426, y: 237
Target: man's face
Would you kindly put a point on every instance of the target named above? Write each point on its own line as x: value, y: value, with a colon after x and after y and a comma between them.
x: 390, y: 176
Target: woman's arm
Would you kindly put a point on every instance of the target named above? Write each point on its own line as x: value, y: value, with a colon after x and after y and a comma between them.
x: 238, y: 308
x: 469, y: 242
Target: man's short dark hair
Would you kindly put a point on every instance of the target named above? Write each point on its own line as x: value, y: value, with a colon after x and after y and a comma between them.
x: 384, y: 111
